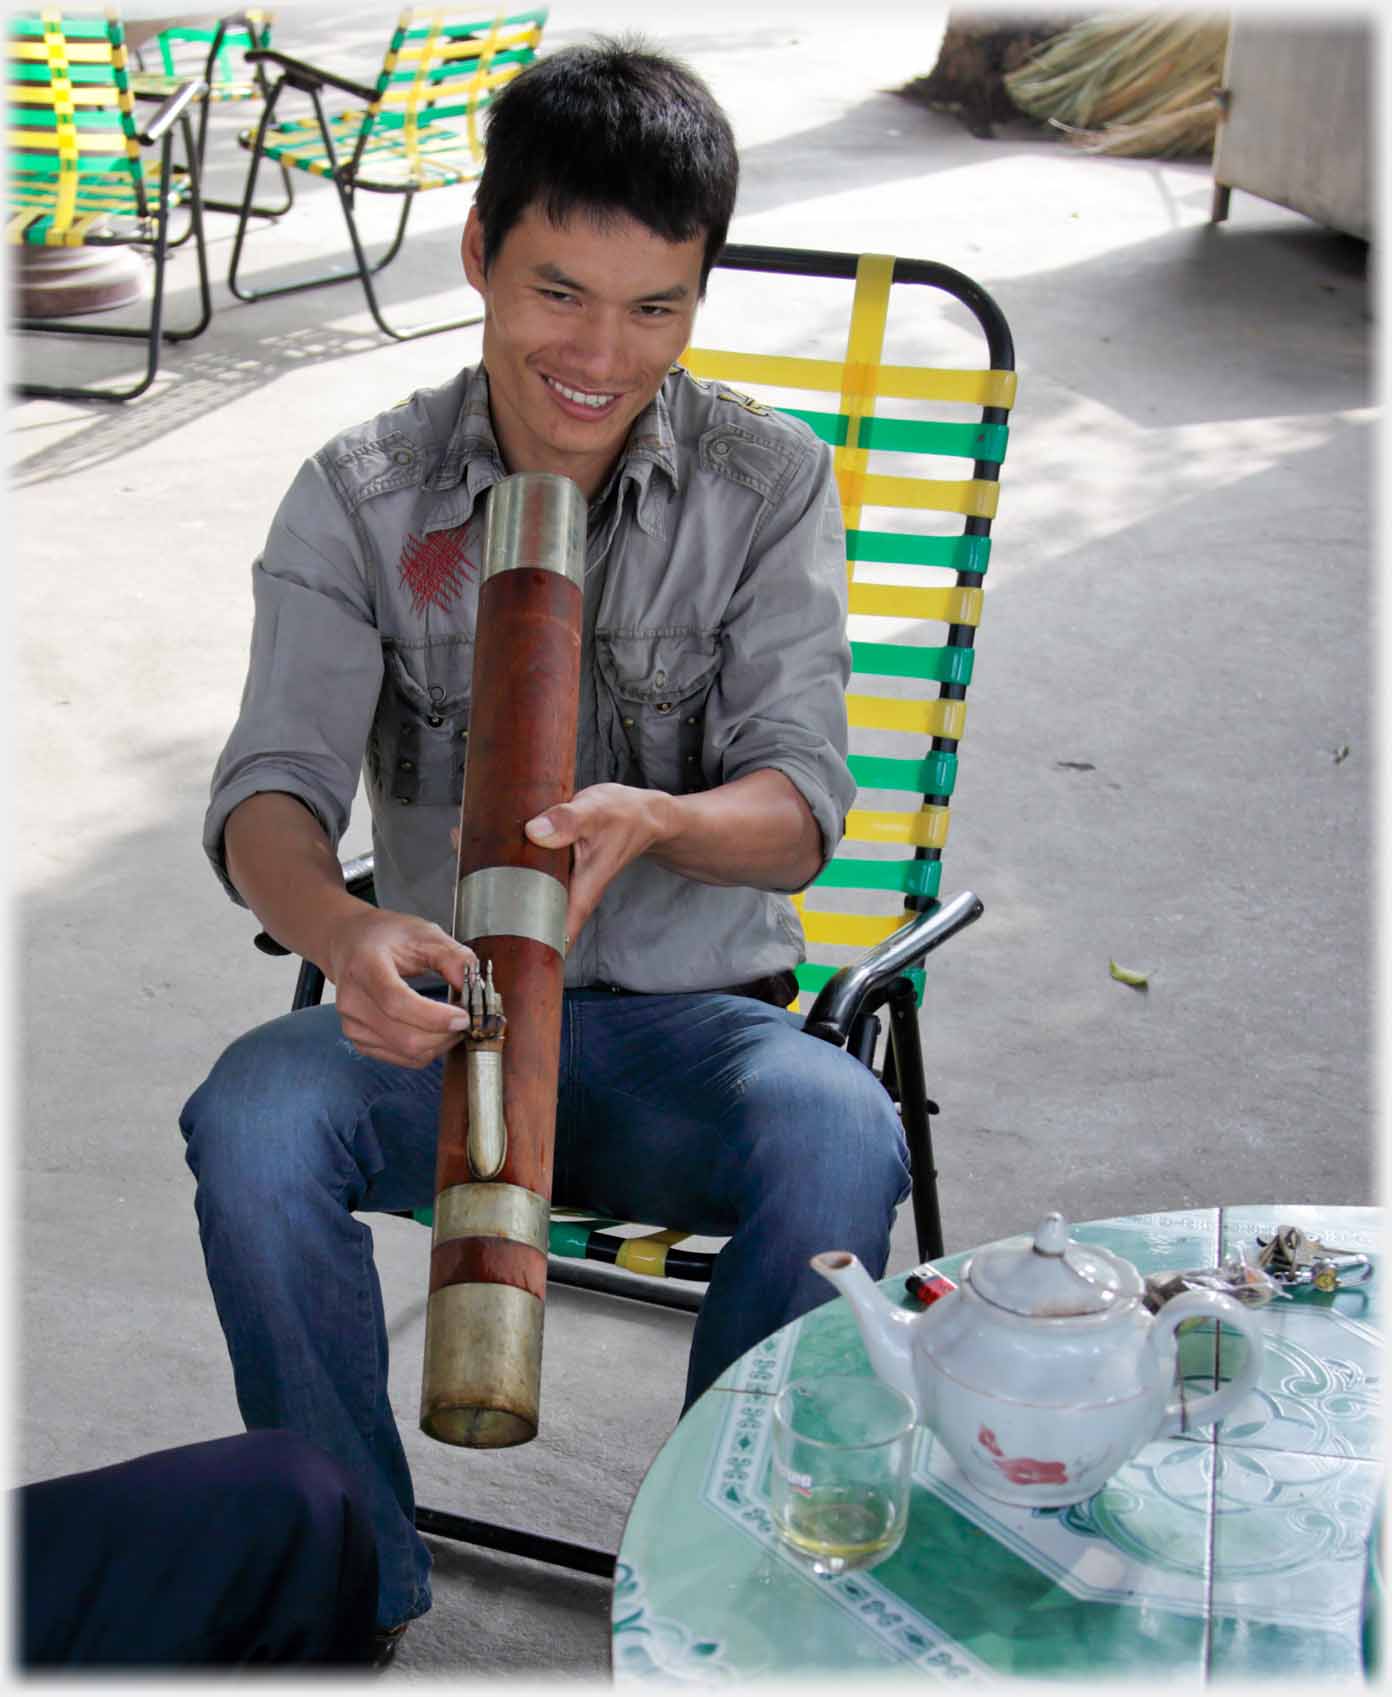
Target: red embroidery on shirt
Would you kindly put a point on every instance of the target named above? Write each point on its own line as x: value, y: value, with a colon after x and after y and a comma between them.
x: 434, y: 569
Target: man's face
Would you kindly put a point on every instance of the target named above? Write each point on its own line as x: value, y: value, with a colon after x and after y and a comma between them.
x: 582, y: 321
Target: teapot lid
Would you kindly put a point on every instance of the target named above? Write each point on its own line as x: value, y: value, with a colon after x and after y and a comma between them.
x: 1053, y: 1278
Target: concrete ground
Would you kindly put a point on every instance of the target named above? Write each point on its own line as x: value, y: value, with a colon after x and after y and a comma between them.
x: 1177, y: 641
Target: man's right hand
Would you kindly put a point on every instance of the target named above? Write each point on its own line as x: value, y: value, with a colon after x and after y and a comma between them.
x: 282, y: 864
x: 368, y: 959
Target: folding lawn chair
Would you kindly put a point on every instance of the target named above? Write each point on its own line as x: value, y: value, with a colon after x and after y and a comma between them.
x: 84, y: 174
x: 417, y: 129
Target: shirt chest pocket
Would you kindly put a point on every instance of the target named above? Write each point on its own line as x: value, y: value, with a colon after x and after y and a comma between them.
x: 420, y: 736
x: 658, y: 686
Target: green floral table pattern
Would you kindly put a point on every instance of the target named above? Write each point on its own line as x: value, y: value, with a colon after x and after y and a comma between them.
x: 1224, y: 1553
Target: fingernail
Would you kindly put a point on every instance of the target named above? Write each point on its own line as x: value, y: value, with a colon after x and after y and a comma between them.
x: 460, y: 1022
x: 541, y: 827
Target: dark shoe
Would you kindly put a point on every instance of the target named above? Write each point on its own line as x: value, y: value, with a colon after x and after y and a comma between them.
x: 384, y: 1643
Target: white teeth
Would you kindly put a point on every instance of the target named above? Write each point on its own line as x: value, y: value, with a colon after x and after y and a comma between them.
x: 579, y: 396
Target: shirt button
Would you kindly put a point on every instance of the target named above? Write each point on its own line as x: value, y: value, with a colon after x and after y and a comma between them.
x: 663, y: 706
x: 407, y: 765
x: 691, y: 719
x: 435, y: 720
x: 403, y: 456
x: 721, y: 450
x: 629, y: 723
x: 464, y: 736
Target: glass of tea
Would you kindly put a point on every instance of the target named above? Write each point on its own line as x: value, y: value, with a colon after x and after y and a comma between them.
x: 839, y: 1480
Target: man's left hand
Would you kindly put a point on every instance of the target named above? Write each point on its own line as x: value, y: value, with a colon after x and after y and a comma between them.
x: 607, y: 825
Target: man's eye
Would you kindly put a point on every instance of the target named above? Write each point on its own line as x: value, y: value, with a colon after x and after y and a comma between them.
x: 555, y: 295
x: 653, y: 310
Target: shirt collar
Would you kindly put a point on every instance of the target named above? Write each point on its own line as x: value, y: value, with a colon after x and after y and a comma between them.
x: 472, y: 457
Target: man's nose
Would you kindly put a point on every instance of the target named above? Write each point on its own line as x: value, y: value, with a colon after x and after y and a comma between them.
x: 596, y: 345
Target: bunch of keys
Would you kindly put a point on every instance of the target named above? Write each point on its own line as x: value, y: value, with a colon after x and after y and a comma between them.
x: 1292, y: 1259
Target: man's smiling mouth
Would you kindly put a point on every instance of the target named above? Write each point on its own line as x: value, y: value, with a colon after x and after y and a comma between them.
x: 579, y: 397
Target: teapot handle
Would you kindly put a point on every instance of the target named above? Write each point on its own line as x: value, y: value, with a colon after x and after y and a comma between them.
x: 1183, y: 1415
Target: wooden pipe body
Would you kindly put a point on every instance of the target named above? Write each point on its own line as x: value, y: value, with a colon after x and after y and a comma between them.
x: 481, y: 1380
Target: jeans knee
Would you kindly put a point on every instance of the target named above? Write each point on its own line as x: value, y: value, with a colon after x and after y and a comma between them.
x: 263, y: 1120
x: 834, y: 1138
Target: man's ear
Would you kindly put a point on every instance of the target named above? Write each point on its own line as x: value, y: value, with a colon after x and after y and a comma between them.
x: 471, y: 249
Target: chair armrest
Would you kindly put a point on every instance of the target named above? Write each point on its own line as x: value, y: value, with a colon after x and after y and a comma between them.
x: 308, y: 78
x: 171, y: 109
x: 839, y: 1000
x: 357, y: 875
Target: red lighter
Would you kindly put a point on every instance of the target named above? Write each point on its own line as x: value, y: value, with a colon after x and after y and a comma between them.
x: 927, y: 1284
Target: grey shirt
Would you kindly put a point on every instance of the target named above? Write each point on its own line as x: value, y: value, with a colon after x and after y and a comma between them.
x: 714, y: 646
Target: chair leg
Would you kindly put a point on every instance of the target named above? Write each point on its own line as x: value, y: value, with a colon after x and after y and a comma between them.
x: 309, y: 987
x: 268, y: 212
x: 153, y: 332
x: 195, y: 176
x: 916, y: 1110
x: 557, y: 1552
x: 235, y: 206
x: 864, y: 1038
x: 363, y: 269
x: 367, y: 272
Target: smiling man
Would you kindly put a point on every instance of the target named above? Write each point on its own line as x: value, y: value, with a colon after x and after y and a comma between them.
x: 710, y: 783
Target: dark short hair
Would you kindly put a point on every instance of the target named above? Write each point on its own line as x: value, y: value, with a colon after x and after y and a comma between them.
x: 613, y: 127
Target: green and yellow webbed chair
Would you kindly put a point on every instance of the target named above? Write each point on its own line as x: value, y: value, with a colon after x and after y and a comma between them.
x: 87, y: 174
x: 415, y: 129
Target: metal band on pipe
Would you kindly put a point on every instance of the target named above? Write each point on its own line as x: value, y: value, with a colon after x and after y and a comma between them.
x: 511, y: 901
x: 536, y: 521
x: 482, y: 1365
x: 492, y: 1210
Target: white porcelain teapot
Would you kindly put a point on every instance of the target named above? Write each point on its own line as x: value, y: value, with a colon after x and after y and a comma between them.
x: 1043, y: 1372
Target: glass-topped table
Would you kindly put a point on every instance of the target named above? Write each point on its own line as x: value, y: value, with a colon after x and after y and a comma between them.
x: 1238, y: 1551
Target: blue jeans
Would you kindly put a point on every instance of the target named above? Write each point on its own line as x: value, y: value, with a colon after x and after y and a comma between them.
x: 710, y: 1112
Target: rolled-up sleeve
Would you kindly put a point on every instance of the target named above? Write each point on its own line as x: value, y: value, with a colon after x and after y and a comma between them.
x: 314, y: 674
x: 779, y: 702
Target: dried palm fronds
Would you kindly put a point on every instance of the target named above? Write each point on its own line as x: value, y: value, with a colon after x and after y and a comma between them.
x: 1128, y: 84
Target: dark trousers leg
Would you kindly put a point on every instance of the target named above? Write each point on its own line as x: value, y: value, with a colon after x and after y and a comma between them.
x: 253, y: 1549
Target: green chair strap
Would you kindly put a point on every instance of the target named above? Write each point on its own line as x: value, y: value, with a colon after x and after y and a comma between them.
x: 901, y: 660
x: 906, y: 877
x: 909, y: 435
x: 811, y: 978
x: 892, y: 548
x: 936, y: 774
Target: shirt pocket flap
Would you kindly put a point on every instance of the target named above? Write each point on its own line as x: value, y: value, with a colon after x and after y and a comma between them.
x: 660, y: 670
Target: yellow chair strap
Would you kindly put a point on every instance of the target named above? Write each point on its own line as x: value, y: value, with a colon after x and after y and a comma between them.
x: 864, y: 345
x: 65, y: 134
x: 976, y: 496
x: 849, y: 930
x: 901, y: 382
x: 648, y: 1254
x: 927, y: 828
x: 935, y: 718
x: 889, y: 601
x: 481, y: 79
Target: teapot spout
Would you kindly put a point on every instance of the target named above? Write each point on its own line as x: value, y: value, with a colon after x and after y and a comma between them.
x: 885, y: 1329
